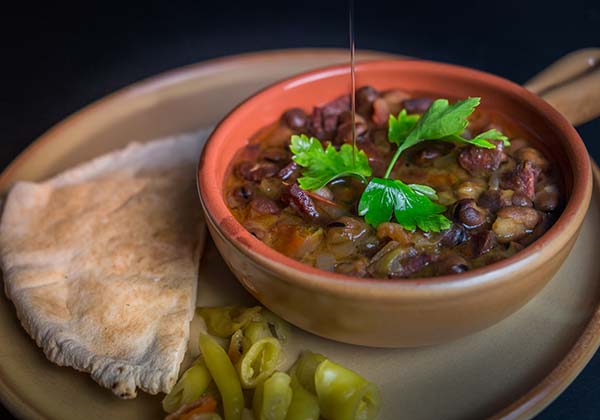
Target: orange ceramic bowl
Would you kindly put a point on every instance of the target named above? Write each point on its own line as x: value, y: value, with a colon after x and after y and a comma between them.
x: 394, y: 313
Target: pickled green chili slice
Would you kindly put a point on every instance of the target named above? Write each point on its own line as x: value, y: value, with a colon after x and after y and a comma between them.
x: 345, y: 395
x: 236, y: 346
x: 259, y: 361
x: 272, y: 398
x: 279, y: 327
x: 304, y: 405
x: 255, y: 331
x: 189, y: 388
x: 305, y: 367
x: 225, y: 377
x: 223, y: 321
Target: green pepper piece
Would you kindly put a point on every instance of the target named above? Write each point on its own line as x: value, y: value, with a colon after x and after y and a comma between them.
x: 259, y: 362
x: 189, y: 388
x: 279, y: 327
x: 272, y: 398
x: 207, y: 416
x: 305, y: 367
x: 304, y: 405
x: 236, y: 346
x: 225, y: 377
x: 225, y: 320
x: 255, y: 331
x: 345, y: 395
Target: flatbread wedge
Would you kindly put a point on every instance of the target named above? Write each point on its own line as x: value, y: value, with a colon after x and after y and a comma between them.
x: 101, y: 263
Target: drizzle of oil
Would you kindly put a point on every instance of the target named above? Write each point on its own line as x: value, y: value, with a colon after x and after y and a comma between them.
x: 352, y: 74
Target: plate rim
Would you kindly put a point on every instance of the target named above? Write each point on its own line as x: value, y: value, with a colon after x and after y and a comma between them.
x: 527, y: 406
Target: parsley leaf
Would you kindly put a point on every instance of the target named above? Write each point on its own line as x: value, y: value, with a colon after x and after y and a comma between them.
x: 482, y: 140
x: 411, y: 206
x: 492, y: 134
x: 399, y: 127
x: 322, y: 166
x: 441, y: 120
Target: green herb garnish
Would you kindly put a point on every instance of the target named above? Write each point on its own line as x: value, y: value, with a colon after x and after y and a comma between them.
x: 412, y: 205
x: 408, y: 203
x: 321, y: 166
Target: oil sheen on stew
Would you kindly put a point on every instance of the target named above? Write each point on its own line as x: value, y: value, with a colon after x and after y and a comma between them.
x: 499, y: 200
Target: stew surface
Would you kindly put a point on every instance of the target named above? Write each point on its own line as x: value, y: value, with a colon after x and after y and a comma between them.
x: 499, y: 200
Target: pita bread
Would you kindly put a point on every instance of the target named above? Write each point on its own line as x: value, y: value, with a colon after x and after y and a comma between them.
x: 101, y: 263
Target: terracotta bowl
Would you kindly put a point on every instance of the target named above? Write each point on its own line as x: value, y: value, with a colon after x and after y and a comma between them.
x: 394, y: 313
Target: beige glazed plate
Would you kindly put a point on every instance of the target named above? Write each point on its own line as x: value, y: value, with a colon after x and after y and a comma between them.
x: 513, y: 369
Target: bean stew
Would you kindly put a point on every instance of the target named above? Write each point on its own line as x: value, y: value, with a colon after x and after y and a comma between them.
x: 488, y: 202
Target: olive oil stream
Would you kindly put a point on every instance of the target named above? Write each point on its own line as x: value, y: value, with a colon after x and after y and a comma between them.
x: 352, y: 76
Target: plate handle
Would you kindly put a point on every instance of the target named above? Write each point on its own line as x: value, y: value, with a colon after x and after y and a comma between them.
x: 572, y: 85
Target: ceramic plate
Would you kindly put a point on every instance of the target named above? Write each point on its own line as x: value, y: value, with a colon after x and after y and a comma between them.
x: 513, y: 369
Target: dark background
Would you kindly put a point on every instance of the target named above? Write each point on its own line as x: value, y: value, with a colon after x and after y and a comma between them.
x: 55, y: 59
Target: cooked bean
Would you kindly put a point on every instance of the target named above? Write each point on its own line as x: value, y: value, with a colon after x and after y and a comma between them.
x: 275, y: 154
x: 324, y: 192
x: 394, y: 99
x: 356, y: 267
x: 327, y: 208
x: 290, y: 172
x: 454, y: 236
x: 477, y: 160
x: 426, y: 155
x: 417, y: 105
x: 493, y: 200
x: 344, y: 131
x: 394, y: 231
x: 513, y: 223
x: 381, y: 111
x: 241, y: 195
x: 547, y: 199
x: 446, y: 198
x: 256, y: 171
x: 376, y: 160
x: 264, y: 205
x: 534, y: 156
x: 519, y: 200
x: 453, y: 264
x: 330, y: 113
x: 364, y: 100
x: 271, y: 187
x: 354, y: 235
x: 483, y: 242
x: 471, y: 189
x: 413, y: 265
x: 295, y: 118
x: 388, y: 260
x: 522, y: 179
x: 315, y: 124
x: 243, y: 169
x: 300, y: 199
x: 467, y: 212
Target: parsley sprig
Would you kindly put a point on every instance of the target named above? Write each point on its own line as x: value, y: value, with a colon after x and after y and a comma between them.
x: 412, y: 205
x: 323, y: 165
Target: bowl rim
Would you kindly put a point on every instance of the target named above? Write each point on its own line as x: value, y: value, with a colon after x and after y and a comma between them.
x: 527, y: 260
